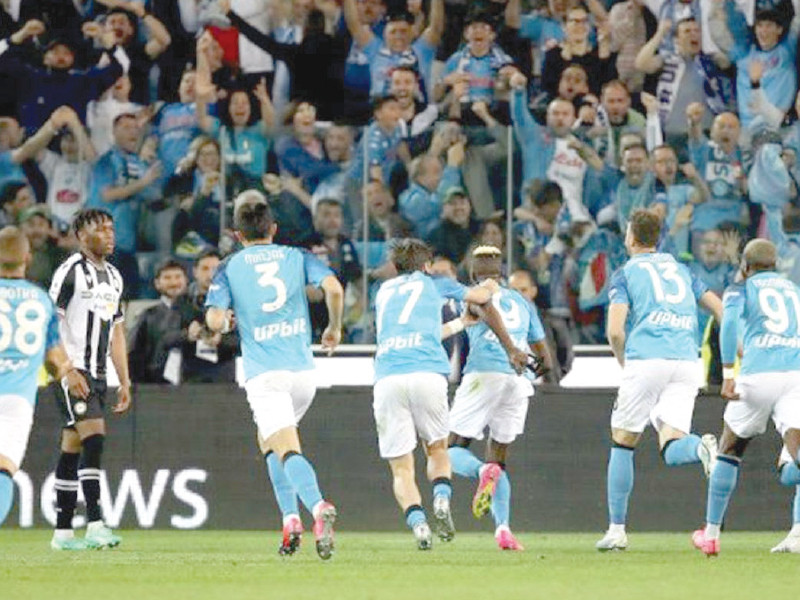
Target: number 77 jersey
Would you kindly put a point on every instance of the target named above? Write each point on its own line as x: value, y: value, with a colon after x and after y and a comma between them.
x: 765, y: 310
x: 265, y: 285
x: 409, y: 324
x: 662, y: 296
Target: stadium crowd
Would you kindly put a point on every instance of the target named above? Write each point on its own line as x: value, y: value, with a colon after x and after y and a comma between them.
x: 364, y: 121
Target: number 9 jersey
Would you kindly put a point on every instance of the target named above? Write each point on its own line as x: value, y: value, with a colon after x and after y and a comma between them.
x: 767, y: 306
x: 662, y: 296
x: 28, y: 329
x: 265, y: 285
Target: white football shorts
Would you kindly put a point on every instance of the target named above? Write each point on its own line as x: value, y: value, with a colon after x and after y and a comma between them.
x: 16, y: 420
x: 406, y: 406
x: 279, y: 399
x: 659, y: 391
x: 765, y: 395
x: 498, y: 401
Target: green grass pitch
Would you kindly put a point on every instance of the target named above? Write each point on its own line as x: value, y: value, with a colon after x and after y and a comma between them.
x: 156, y: 565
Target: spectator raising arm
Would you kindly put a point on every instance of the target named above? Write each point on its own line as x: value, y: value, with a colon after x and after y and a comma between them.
x: 361, y: 32
x: 61, y: 117
x: 123, y: 192
x: 648, y: 59
x: 158, y: 38
x: 433, y: 33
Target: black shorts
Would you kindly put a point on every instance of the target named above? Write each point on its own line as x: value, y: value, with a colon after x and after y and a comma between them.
x: 75, y: 410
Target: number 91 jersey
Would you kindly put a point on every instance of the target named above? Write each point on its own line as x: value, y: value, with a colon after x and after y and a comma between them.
x: 486, y: 354
x: 265, y: 285
x: 28, y: 329
x: 662, y: 298
x: 768, y: 306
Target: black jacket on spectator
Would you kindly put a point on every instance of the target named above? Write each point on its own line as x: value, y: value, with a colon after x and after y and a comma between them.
x: 198, y: 370
x: 344, y: 263
x: 316, y: 66
x: 599, y: 70
x: 157, y: 331
x: 41, y: 90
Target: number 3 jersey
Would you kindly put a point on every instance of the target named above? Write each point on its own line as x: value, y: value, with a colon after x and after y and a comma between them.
x: 409, y: 323
x: 265, y: 285
x: 28, y: 329
x: 486, y: 354
x: 662, y: 298
x: 765, y: 311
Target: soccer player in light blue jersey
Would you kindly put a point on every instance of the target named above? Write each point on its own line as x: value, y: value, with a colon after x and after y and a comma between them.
x: 652, y: 329
x: 28, y: 337
x: 765, y: 308
x: 410, y: 395
x: 264, y: 286
x: 493, y: 395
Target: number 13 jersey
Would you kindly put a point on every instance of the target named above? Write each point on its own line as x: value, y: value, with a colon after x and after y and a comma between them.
x: 662, y: 298
x: 765, y: 310
x: 265, y: 286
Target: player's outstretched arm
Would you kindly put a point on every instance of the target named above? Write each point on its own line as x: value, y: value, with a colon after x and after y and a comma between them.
x: 119, y: 356
x: 60, y: 367
x: 711, y: 302
x: 615, y: 330
x: 334, y: 300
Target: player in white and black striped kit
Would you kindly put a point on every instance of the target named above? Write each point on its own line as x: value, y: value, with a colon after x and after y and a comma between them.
x: 86, y: 291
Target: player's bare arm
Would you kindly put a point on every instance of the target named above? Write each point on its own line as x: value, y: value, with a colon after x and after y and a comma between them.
x: 711, y: 302
x: 119, y: 356
x: 615, y: 330
x: 334, y: 300
x: 59, y: 366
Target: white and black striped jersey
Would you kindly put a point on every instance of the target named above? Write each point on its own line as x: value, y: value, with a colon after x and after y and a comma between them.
x: 87, y: 298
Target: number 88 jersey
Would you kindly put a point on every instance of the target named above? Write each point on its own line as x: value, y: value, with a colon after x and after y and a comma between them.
x: 662, y: 296
x: 265, y: 285
x: 768, y: 306
x: 28, y: 329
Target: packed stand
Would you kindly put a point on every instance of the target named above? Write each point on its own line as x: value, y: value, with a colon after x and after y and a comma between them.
x: 537, y: 129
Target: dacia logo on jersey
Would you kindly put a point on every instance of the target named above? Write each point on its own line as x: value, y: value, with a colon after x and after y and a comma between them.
x: 105, y: 301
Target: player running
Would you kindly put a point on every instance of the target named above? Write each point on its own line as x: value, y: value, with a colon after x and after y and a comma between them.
x: 264, y: 285
x: 766, y: 307
x: 652, y: 320
x: 410, y: 395
x: 492, y: 395
x: 28, y: 338
x: 86, y: 290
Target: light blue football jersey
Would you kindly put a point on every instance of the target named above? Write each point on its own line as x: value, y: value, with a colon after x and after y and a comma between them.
x: 265, y: 285
x: 486, y: 354
x: 765, y: 311
x: 409, y: 322
x: 662, y: 298
x: 28, y: 329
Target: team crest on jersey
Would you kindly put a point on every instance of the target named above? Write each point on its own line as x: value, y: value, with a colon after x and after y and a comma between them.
x: 80, y: 408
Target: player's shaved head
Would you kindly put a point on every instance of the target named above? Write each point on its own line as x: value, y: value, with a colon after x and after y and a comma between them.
x: 409, y: 255
x: 760, y: 255
x: 487, y: 262
x: 14, y: 249
x: 645, y: 228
